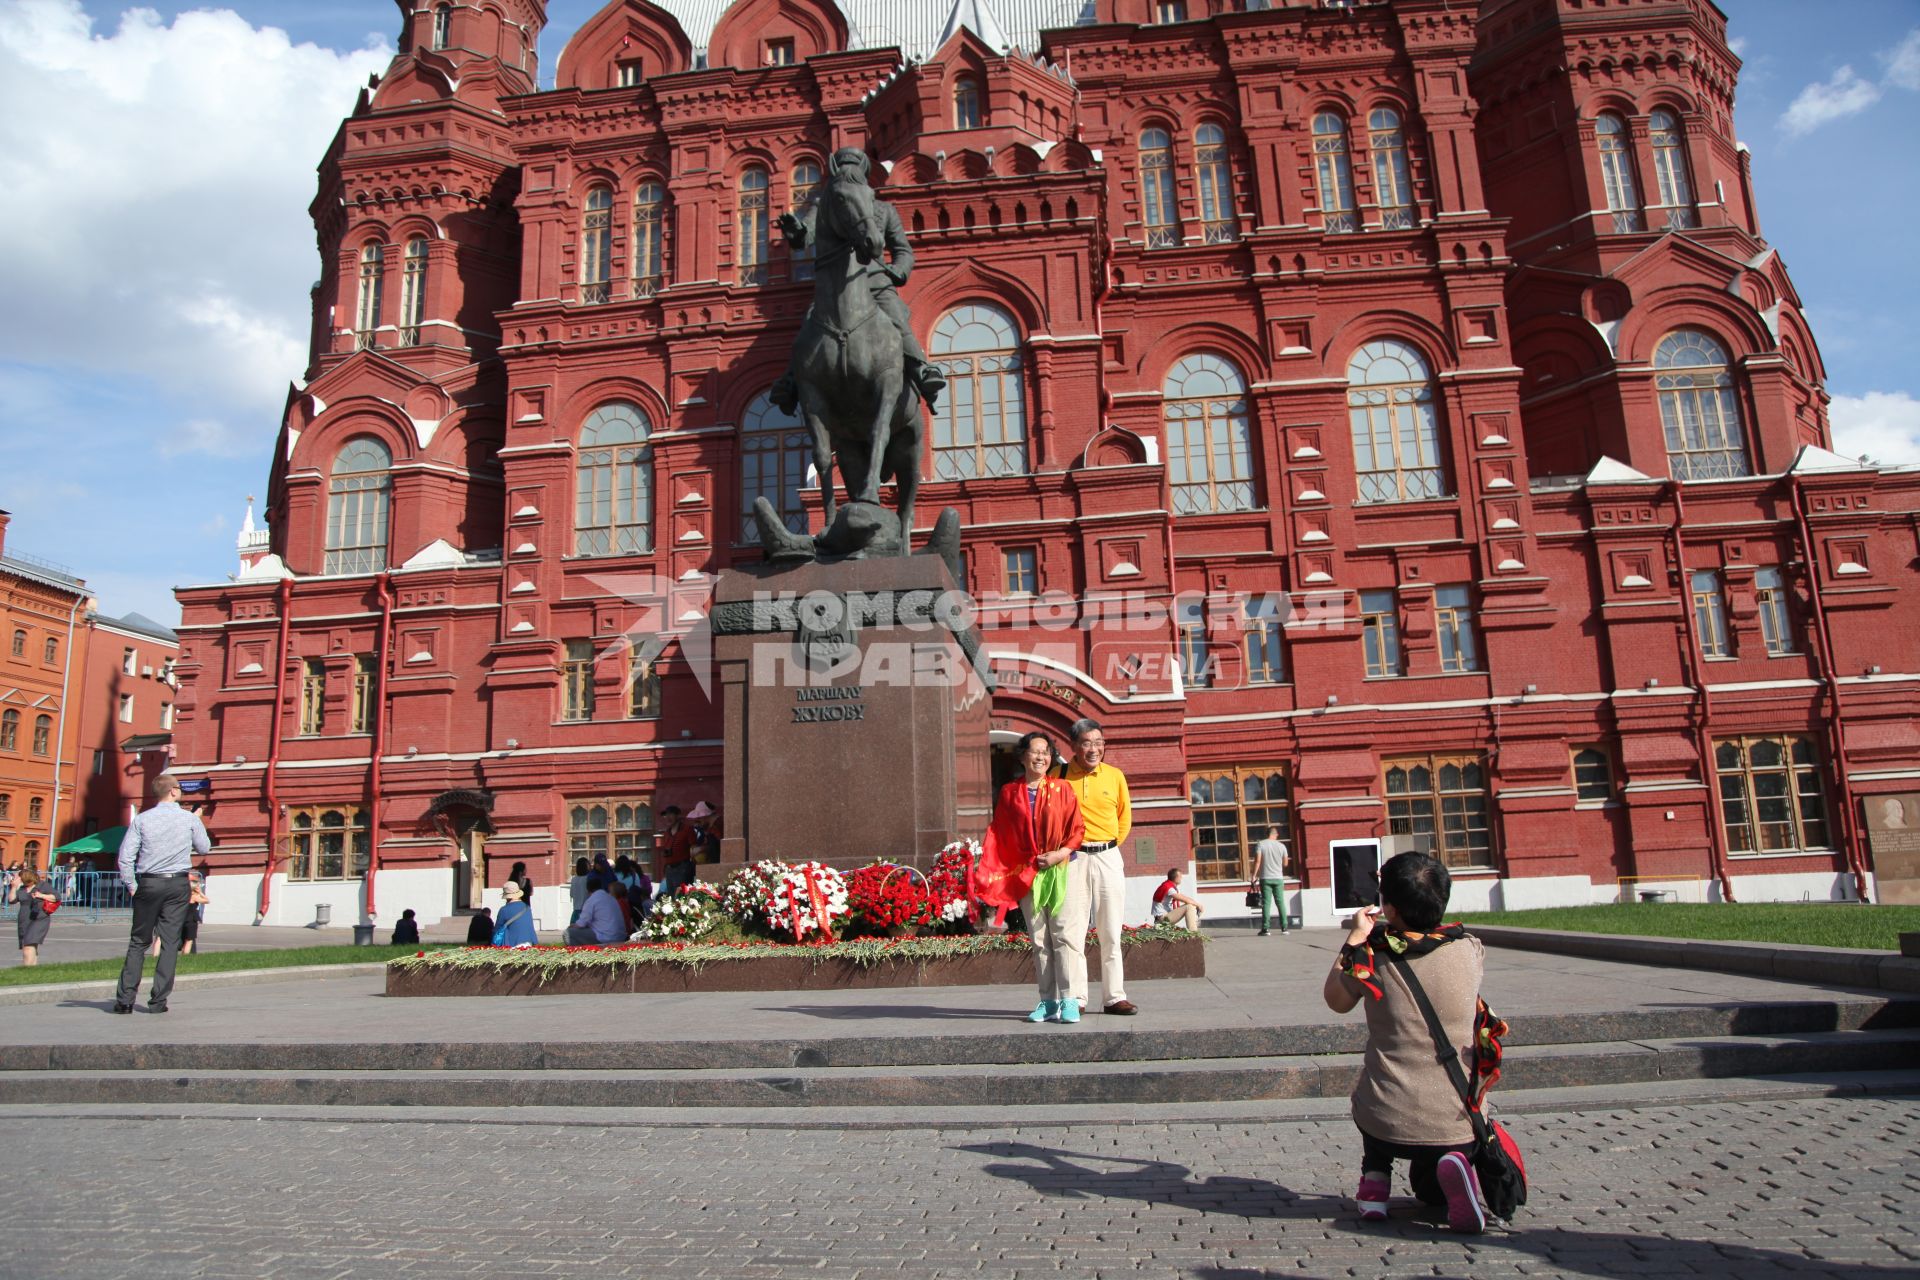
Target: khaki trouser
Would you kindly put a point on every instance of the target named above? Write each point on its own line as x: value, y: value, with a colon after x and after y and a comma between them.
x: 1102, y: 899
x: 1060, y: 942
x: 1186, y: 915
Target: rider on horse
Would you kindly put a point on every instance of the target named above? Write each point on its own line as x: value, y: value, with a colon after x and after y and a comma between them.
x: 851, y: 164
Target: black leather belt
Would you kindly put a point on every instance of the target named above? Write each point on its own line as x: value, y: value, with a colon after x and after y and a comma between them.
x: 162, y: 875
x: 1098, y: 846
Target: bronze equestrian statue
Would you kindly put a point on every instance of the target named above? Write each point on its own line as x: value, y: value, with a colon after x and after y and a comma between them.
x: 858, y: 374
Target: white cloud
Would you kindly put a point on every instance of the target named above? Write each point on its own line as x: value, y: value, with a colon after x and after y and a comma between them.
x: 211, y: 435
x: 1845, y: 94
x: 1882, y: 425
x: 1903, y: 64
x: 1739, y: 46
x: 156, y: 184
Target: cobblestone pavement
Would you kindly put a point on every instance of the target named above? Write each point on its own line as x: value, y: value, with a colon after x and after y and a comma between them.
x: 1753, y: 1189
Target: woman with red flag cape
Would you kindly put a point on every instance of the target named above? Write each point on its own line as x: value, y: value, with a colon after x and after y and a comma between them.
x: 1036, y: 832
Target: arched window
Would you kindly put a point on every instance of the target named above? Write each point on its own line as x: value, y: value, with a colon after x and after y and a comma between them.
x: 751, y: 251
x: 1392, y: 184
x: 596, y: 246
x: 1216, y: 184
x: 1158, y: 210
x: 1698, y: 408
x: 9, y: 731
x: 1209, y: 456
x: 32, y: 853
x: 1670, y: 168
x: 19, y: 644
x: 649, y: 223
x: 775, y: 451
x: 982, y: 430
x: 806, y: 187
x: 42, y: 734
x: 1166, y: 12
x: 37, y: 809
x: 413, y: 292
x: 1616, y: 169
x: 966, y: 103
x: 357, y: 501
x: 1335, y: 169
x: 613, y: 483
x: 373, y: 270
x: 442, y: 25
x: 1396, y: 440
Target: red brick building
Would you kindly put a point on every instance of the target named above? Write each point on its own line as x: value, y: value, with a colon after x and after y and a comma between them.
x: 86, y: 708
x: 1387, y: 418
x: 43, y: 628
x: 126, y: 720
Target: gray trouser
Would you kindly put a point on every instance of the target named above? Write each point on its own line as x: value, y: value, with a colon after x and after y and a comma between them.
x: 160, y: 907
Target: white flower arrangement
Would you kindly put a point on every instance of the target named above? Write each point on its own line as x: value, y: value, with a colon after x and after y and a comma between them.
x: 745, y: 894
x: 804, y: 898
x: 683, y: 917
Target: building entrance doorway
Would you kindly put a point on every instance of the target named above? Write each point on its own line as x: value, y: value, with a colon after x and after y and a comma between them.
x: 1005, y: 762
x: 469, y: 868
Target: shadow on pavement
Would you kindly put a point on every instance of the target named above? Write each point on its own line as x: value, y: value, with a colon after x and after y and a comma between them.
x: 1054, y: 1173
x: 864, y: 1012
x: 1557, y: 1250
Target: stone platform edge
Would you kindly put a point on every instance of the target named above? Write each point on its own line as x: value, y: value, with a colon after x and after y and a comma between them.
x: 1881, y: 970
x: 1178, y: 958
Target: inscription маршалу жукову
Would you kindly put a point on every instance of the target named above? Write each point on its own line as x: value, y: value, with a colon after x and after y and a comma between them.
x: 831, y: 704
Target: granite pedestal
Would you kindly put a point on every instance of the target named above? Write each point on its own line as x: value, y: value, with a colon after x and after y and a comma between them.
x: 856, y: 721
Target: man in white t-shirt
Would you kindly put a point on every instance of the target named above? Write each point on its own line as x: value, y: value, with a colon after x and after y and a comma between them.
x: 1171, y: 905
x: 1272, y: 880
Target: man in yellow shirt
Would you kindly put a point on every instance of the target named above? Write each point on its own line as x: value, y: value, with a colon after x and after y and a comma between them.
x: 1107, y: 811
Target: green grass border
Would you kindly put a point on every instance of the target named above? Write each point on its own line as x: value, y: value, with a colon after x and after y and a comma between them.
x: 108, y: 968
x: 1849, y: 926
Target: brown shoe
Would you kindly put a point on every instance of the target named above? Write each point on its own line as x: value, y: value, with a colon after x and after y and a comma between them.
x: 1126, y: 1008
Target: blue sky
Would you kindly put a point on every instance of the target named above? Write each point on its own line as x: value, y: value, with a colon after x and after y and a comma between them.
x: 155, y: 248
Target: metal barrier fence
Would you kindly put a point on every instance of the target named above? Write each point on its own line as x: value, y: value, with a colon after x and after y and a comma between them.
x: 91, y: 896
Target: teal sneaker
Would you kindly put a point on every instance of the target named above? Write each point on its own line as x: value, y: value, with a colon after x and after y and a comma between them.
x: 1069, y: 1010
x: 1045, y: 1011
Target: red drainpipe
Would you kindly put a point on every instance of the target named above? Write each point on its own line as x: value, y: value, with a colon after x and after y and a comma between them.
x: 285, y: 601
x: 378, y: 696
x: 1823, y: 639
x: 1697, y: 675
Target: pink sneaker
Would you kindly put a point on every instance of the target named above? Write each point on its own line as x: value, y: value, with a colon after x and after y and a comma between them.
x: 1462, y: 1186
x: 1372, y: 1198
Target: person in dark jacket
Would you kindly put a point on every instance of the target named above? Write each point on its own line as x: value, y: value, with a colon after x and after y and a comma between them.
x: 480, y: 928
x: 406, y: 933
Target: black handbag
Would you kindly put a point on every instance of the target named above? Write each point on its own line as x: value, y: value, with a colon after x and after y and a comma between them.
x: 1253, y: 897
x: 1497, y: 1162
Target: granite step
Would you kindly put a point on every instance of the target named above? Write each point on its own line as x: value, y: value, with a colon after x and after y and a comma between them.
x: 1020, y: 1044
x: 1136, y: 1082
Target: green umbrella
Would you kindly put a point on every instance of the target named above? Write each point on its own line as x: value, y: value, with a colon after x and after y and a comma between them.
x: 107, y: 841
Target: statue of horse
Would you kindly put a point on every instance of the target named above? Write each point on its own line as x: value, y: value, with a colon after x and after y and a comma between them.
x: 854, y: 396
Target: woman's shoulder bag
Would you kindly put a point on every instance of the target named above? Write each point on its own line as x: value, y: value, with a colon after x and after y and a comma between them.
x: 1496, y: 1156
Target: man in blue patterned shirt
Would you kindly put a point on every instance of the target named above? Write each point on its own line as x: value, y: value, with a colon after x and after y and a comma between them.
x: 156, y: 855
